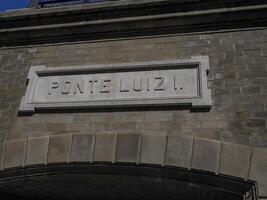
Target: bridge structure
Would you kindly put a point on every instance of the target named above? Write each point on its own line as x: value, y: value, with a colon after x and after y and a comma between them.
x: 75, y: 124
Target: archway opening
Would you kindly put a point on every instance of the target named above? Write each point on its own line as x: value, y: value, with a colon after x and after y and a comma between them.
x: 104, y: 181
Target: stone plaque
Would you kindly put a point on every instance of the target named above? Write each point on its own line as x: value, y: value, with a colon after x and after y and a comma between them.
x: 162, y: 83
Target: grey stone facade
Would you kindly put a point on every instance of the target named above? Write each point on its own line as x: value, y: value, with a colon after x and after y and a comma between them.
x: 230, y: 139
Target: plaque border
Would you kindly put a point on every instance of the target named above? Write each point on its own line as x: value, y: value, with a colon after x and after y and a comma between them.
x: 202, y: 102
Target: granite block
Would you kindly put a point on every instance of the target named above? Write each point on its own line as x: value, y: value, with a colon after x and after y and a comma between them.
x: 104, y: 147
x: 258, y: 170
x: 206, y: 155
x: 127, y: 147
x: 15, y: 153
x: 153, y: 149
x: 37, y: 150
x: 235, y: 160
x: 59, y: 148
x: 179, y: 151
x: 82, y: 147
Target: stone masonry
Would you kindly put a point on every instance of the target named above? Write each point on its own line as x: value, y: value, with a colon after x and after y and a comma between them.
x: 230, y: 139
x: 237, y: 79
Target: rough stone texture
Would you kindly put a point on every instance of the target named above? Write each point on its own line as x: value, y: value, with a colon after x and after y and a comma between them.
x: 105, y: 147
x: 179, y: 151
x: 235, y: 160
x: 237, y: 78
x: 2, y: 151
x: 59, y: 149
x: 127, y: 147
x: 206, y: 155
x: 235, y: 66
x: 82, y: 148
x: 153, y: 149
x: 258, y: 170
x: 37, y: 150
x: 15, y: 153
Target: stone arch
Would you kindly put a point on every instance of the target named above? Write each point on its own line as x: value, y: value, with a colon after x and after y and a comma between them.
x: 160, y: 150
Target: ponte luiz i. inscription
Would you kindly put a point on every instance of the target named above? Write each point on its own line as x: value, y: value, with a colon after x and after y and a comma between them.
x: 171, y: 82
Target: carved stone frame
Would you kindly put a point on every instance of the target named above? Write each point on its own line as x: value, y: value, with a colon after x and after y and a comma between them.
x: 202, y: 101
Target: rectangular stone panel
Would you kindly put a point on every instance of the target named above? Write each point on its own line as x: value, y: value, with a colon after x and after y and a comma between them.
x: 153, y: 149
x: 235, y: 160
x: 82, y: 147
x: 172, y: 82
x: 127, y: 147
x: 59, y: 148
x: 15, y: 153
x: 179, y: 151
x: 206, y: 155
x: 104, y: 147
x: 37, y: 150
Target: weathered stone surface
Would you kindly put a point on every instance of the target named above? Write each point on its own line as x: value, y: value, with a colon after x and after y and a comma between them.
x: 258, y: 170
x: 153, y: 149
x: 237, y: 79
x: 59, y: 148
x: 82, y: 148
x: 15, y: 153
x: 235, y: 160
x: 179, y: 151
x: 178, y: 84
x: 206, y: 155
x: 127, y: 147
x: 2, y: 150
x: 105, y: 147
x: 224, y: 121
x: 37, y: 150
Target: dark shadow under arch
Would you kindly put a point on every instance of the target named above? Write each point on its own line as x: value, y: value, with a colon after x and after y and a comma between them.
x: 105, y: 181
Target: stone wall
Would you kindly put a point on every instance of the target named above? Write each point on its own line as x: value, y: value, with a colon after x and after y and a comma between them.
x: 237, y: 78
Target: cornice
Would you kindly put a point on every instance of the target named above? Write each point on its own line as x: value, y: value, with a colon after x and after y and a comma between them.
x: 124, y: 19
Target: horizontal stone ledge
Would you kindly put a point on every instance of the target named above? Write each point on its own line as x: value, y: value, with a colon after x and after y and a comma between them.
x: 137, y: 26
x: 121, y: 5
x: 160, y: 149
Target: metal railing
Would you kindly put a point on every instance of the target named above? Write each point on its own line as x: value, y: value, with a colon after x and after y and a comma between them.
x: 52, y: 3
